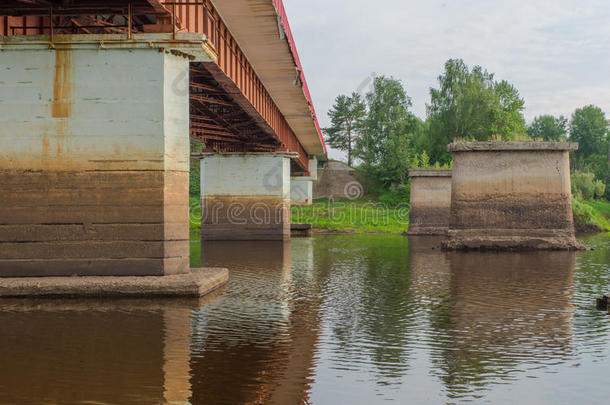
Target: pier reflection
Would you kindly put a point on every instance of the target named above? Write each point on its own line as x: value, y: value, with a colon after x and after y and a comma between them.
x: 493, y: 315
x: 96, y: 351
x: 257, y: 344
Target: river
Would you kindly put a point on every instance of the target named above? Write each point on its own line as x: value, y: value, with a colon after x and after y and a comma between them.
x: 333, y: 319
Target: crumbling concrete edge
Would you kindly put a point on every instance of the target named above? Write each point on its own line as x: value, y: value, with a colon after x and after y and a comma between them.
x: 196, y: 283
x: 514, y: 146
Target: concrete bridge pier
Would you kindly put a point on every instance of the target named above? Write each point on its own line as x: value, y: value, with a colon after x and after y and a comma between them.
x: 511, y: 196
x: 301, y: 187
x: 430, y: 201
x: 245, y: 196
x: 94, y: 168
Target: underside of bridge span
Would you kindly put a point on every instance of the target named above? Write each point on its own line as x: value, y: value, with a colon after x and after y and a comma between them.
x: 99, y: 100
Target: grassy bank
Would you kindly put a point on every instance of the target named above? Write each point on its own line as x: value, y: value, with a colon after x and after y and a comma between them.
x: 357, y: 216
x: 591, y: 216
x: 367, y: 215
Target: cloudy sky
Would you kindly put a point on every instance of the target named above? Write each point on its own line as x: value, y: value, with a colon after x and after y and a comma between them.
x: 556, y: 52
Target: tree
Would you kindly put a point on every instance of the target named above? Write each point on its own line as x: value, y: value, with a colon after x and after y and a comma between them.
x: 548, y: 128
x: 589, y: 128
x: 383, y: 145
x: 470, y: 105
x: 346, y: 115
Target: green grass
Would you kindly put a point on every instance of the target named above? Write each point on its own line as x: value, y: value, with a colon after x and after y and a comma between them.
x: 596, y: 213
x: 195, y: 218
x: 358, y: 216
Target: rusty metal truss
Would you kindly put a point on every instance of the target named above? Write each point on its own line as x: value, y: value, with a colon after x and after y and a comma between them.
x: 230, y: 108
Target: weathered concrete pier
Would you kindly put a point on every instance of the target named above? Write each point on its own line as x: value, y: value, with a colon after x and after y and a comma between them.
x: 95, y: 145
x: 430, y: 201
x: 245, y: 196
x: 301, y: 187
x: 511, y: 196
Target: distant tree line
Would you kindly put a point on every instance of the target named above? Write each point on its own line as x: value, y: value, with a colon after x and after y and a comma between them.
x: 381, y: 134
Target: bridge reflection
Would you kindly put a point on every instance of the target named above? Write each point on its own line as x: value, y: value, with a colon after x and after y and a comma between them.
x: 94, y: 351
x: 257, y: 343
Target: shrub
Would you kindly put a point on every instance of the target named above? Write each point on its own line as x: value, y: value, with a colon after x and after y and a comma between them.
x: 395, y: 196
x: 583, y: 185
x: 600, y: 189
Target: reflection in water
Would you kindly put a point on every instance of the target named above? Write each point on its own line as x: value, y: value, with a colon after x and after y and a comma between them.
x: 346, y: 319
x: 256, y: 344
x: 92, y: 351
x: 502, y: 313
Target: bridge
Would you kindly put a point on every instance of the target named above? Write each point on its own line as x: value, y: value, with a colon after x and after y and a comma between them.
x: 98, y: 99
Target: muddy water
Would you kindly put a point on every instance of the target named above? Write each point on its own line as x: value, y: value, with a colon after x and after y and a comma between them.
x: 329, y: 320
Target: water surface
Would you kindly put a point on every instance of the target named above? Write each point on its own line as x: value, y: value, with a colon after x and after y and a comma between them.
x: 334, y: 319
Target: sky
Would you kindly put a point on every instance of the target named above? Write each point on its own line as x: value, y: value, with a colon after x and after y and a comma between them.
x: 555, y: 52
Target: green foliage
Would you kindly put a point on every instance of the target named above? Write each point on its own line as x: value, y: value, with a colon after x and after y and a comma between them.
x: 422, y: 161
x: 548, y: 128
x: 470, y: 105
x: 383, y: 145
x: 595, y: 213
x: 347, y: 116
x: 589, y: 128
x: 197, y: 146
x: 195, y: 179
x: 396, y: 196
x: 585, y: 186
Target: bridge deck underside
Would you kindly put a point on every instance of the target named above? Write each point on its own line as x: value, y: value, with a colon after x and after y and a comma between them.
x: 231, y: 108
x: 225, y: 121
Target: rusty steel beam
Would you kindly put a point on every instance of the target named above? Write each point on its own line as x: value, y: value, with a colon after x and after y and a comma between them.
x: 237, y: 96
x: 234, y: 73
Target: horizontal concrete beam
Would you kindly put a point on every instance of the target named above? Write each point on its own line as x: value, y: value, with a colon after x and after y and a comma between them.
x: 513, y: 146
x: 193, y: 46
x: 429, y: 172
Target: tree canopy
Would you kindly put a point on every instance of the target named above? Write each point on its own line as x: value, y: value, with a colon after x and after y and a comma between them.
x: 384, y: 146
x: 548, y: 128
x: 470, y: 105
x: 346, y: 116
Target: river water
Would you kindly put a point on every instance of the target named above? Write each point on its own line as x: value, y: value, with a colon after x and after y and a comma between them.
x: 333, y: 319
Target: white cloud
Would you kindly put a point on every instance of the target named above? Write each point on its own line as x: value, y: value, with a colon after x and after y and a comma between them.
x: 556, y: 52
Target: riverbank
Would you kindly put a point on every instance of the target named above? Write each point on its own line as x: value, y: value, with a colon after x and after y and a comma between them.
x: 367, y: 215
x: 363, y: 215
x: 591, y: 216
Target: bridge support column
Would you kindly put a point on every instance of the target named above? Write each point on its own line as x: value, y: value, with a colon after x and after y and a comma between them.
x: 301, y: 191
x: 94, y: 165
x: 301, y: 187
x: 430, y: 201
x: 245, y: 196
x: 511, y: 196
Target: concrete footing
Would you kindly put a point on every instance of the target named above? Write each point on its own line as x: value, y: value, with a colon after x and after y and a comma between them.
x: 196, y: 283
x: 301, y: 230
x: 430, y: 201
x: 245, y: 196
x: 511, y: 196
